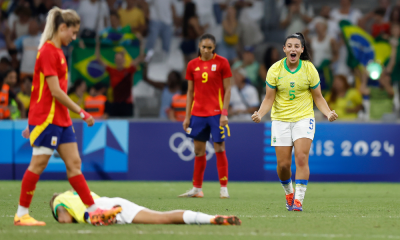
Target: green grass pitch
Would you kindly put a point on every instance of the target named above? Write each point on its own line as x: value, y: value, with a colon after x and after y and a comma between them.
x: 331, y: 211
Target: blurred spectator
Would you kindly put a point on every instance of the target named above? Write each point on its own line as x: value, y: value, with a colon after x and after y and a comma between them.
x: 346, y: 12
x: 162, y: 13
x: 244, y: 97
x: 177, y: 111
x: 393, y: 65
x: 94, y: 17
x: 44, y: 7
x: 228, y: 46
x: 191, y: 30
x: 324, y: 15
x: 21, y: 25
x: 3, y: 31
x: 270, y: 57
x: 169, y: 89
x: 96, y: 103
x: 25, y: 94
x: 132, y: 16
x: 250, y: 33
x: 325, y: 52
x: 250, y: 64
x: 5, y: 65
x: 380, y: 95
x: 70, y: 4
x: 346, y: 101
x: 205, y: 13
x: 395, y: 15
x: 385, y: 4
x: 78, y: 93
x: 379, y: 25
x: 295, y: 16
x: 27, y: 44
x: 121, y: 79
x: 115, y: 32
x: 10, y: 106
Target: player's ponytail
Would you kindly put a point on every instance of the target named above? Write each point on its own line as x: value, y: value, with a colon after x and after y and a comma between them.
x: 306, y: 54
x: 54, y: 19
x: 207, y: 36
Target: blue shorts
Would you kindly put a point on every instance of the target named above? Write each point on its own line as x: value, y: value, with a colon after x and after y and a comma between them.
x: 200, y: 129
x: 51, y: 136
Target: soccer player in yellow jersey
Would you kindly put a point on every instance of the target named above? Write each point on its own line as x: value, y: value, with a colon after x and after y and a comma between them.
x: 67, y: 207
x: 292, y: 85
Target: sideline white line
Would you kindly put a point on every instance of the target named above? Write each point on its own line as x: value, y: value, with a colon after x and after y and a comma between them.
x: 183, y: 233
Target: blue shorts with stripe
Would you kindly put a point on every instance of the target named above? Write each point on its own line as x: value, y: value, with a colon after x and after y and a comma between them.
x: 51, y: 136
x: 200, y: 129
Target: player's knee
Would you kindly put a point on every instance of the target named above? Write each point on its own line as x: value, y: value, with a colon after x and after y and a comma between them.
x: 219, y: 147
x: 73, y: 164
x: 301, y: 159
x: 37, y: 167
x: 199, y: 152
x: 284, y: 166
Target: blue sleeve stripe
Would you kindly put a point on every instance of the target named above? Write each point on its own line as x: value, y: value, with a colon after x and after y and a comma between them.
x: 269, y: 85
x: 315, y: 85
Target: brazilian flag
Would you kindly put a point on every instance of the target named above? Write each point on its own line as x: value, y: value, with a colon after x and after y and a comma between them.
x: 362, y: 47
x: 84, y: 65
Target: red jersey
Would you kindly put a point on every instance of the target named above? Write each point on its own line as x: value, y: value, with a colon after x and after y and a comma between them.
x: 208, y: 81
x: 44, y: 108
x: 121, y: 83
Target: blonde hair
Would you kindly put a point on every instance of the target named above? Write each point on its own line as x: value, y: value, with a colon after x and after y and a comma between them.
x: 55, y: 18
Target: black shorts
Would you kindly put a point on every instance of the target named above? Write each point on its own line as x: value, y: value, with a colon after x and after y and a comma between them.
x: 120, y: 109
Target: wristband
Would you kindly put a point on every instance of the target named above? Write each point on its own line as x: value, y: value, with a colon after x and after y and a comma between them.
x: 84, y: 115
x: 224, y: 112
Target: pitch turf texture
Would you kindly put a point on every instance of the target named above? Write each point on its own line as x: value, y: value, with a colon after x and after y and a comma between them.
x: 331, y: 211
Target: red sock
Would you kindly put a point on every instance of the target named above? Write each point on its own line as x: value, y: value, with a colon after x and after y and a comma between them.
x: 28, y: 188
x: 79, y: 184
x: 199, y: 168
x: 222, y: 166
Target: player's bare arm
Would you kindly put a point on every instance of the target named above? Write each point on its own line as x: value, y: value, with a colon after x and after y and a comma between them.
x: 266, y: 105
x: 63, y: 98
x: 322, y: 105
x: 227, y: 96
x: 189, y: 102
x: 98, y: 54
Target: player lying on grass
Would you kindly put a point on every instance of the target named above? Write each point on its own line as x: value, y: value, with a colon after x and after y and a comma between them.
x: 67, y: 207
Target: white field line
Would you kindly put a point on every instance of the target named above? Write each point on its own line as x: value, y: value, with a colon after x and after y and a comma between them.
x: 186, y: 233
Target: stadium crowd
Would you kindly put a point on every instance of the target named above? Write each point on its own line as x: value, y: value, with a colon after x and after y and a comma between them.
x: 250, y: 35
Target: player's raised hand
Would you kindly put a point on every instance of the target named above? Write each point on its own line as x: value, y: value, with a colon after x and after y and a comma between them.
x: 185, y: 124
x: 25, y: 133
x: 332, y: 116
x: 223, y: 121
x: 256, y: 117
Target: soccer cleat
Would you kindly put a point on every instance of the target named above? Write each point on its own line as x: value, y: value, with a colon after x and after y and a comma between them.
x: 226, y: 220
x: 297, y: 206
x: 104, y: 217
x: 223, y: 194
x: 290, y: 201
x: 27, y: 220
x: 192, y: 193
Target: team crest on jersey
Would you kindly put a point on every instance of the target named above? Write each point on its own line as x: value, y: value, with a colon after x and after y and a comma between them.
x: 274, y: 139
x: 214, y: 67
x: 292, y: 84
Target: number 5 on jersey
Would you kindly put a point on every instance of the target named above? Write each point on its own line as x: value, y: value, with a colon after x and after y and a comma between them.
x: 291, y: 94
x: 204, y: 75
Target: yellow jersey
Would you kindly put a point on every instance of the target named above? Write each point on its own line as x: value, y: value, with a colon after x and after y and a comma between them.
x: 71, y: 201
x: 293, y: 99
x: 352, y: 99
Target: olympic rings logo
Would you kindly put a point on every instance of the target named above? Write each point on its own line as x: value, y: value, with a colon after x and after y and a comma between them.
x: 186, y: 146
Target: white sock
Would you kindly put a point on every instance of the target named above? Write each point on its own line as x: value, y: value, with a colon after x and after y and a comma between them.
x: 197, y: 189
x: 190, y: 217
x: 91, y: 208
x: 288, y: 187
x: 225, y: 189
x: 300, y: 192
x: 22, y: 211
